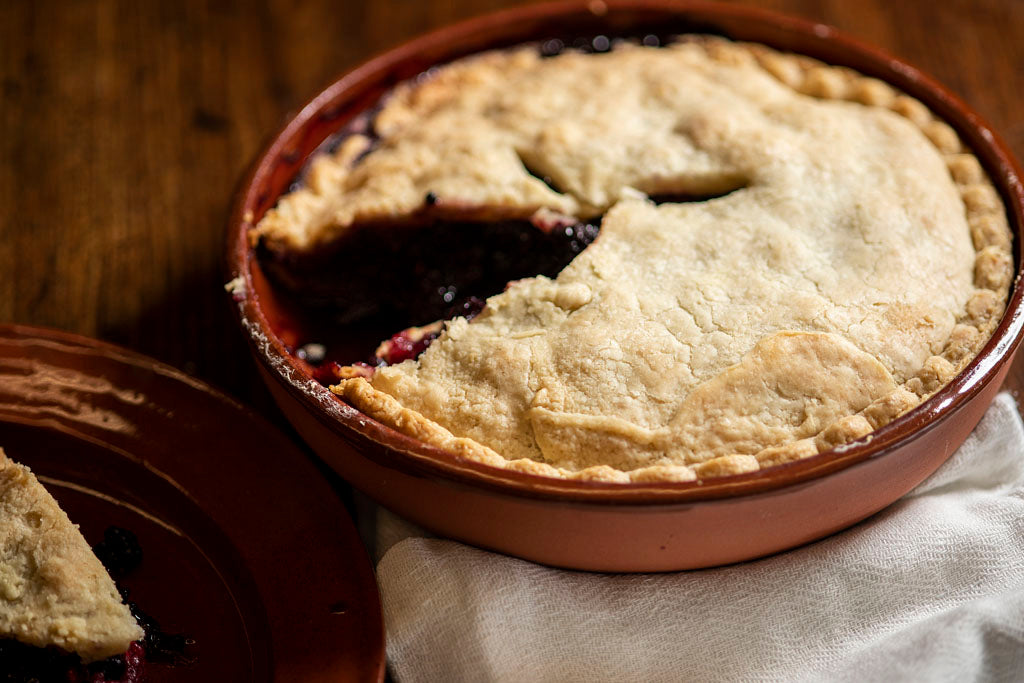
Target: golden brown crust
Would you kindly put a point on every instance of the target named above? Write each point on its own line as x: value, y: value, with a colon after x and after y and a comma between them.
x: 964, y: 341
x: 725, y: 465
x: 53, y: 590
x: 555, y: 426
x: 777, y: 455
x: 842, y: 431
x: 884, y: 410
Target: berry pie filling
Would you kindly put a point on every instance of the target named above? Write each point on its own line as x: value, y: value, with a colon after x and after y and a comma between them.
x: 27, y: 664
x: 439, y: 268
x: 642, y: 260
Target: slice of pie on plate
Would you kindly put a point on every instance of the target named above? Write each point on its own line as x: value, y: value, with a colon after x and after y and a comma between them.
x: 53, y: 589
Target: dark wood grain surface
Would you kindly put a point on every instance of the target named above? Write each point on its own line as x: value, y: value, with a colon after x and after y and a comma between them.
x: 125, y: 126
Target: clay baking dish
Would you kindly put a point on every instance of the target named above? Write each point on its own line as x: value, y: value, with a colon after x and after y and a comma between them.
x: 604, y: 526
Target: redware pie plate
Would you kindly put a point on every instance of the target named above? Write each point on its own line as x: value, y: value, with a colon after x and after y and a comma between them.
x: 247, y: 550
x: 596, y: 525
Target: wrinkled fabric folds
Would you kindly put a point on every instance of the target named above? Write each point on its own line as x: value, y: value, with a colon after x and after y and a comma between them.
x: 932, y: 588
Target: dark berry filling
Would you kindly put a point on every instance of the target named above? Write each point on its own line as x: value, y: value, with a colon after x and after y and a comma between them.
x: 396, y: 276
x: 599, y: 43
x: 158, y: 645
x: 405, y: 346
x: 331, y: 372
x: 119, y: 551
x: 20, y: 663
x: 415, y: 272
x: 468, y: 308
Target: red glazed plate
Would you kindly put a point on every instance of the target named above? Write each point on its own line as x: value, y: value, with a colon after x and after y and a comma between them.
x: 246, y: 549
x: 592, y: 525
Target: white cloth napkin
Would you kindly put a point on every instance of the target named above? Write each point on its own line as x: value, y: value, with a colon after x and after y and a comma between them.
x: 932, y: 588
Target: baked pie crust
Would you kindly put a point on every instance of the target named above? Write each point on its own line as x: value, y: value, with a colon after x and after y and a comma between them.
x: 854, y: 258
x: 53, y: 589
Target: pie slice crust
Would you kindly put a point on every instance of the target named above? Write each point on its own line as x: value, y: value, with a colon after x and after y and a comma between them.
x: 53, y: 589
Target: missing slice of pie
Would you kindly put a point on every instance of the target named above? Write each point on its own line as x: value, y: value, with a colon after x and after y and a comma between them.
x: 790, y: 255
x: 54, y: 592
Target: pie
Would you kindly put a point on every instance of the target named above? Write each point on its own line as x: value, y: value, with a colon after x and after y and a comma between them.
x: 54, y: 592
x: 783, y: 256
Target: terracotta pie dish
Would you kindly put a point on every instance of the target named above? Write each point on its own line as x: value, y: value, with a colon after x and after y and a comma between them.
x: 656, y: 525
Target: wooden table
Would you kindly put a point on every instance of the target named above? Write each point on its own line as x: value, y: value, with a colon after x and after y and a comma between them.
x: 125, y: 126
